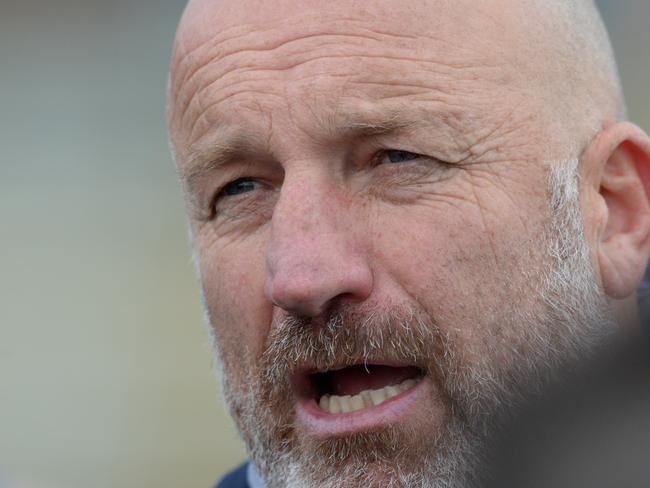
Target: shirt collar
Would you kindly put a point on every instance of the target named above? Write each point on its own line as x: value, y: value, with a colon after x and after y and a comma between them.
x: 253, y: 478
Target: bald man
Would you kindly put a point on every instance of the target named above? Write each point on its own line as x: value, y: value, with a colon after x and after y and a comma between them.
x: 406, y: 216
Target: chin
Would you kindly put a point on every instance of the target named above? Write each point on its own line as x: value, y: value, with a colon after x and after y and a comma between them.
x: 418, y: 454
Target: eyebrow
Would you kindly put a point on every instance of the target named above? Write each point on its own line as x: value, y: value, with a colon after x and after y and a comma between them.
x: 369, y: 125
x: 207, y: 160
x: 212, y: 157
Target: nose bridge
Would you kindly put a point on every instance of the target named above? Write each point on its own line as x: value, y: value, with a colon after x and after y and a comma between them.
x: 308, y: 210
x: 314, y: 255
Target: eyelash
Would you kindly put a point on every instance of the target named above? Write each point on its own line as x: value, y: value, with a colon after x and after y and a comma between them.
x: 387, y: 152
x: 225, y: 189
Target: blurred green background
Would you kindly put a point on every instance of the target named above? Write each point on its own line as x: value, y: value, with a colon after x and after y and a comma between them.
x: 105, y: 371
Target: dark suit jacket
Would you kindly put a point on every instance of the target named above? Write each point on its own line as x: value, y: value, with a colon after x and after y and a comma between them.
x: 235, y: 479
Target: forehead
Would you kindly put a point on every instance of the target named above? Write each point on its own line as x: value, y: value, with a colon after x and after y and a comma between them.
x: 214, y: 20
x: 312, y: 61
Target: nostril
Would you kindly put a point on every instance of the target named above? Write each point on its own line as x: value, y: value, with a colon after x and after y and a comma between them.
x: 299, y: 297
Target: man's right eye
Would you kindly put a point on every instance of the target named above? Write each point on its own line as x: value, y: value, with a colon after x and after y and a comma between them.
x: 239, y: 186
x: 243, y: 202
x: 234, y: 198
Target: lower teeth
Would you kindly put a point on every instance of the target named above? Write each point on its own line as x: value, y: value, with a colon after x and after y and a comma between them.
x: 368, y: 398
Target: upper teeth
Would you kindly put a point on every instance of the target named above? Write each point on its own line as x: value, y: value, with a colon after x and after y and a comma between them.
x: 367, y: 398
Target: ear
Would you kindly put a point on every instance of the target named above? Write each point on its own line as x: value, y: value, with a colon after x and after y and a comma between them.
x: 620, y: 156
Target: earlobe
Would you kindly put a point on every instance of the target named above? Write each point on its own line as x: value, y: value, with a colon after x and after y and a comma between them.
x: 623, y: 151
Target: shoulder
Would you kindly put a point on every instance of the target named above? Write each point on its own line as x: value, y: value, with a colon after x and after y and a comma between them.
x: 235, y: 479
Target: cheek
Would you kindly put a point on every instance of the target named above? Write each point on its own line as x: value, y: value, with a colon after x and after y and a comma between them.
x: 233, y: 279
x: 468, y: 262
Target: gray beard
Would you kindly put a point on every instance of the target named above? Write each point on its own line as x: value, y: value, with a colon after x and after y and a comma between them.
x: 574, y: 318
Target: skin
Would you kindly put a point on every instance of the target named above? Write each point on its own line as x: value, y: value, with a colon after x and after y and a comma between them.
x: 303, y: 99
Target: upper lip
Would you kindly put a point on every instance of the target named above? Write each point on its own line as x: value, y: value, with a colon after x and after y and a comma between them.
x: 308, y: 370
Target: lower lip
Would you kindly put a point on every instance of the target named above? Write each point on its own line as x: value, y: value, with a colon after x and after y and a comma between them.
x: 393, y: 411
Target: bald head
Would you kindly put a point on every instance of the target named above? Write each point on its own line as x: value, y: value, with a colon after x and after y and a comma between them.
x: 579, y: 70
x: 557, y: 51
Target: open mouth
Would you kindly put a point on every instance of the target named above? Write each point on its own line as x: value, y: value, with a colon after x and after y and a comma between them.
x: 359, y: 387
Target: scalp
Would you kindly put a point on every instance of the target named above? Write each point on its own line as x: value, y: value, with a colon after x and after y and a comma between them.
x: 581, y: 67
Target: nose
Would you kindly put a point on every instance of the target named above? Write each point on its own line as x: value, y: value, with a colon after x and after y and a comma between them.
x: 315, y: 256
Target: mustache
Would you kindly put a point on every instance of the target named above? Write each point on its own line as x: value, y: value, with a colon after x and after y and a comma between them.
x: 351, y: 336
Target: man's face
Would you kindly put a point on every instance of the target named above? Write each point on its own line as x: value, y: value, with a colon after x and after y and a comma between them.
x: 370, y: 211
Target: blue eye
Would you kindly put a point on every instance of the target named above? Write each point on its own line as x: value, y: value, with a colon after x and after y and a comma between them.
x: 237, y: 187
x: 397, y: 156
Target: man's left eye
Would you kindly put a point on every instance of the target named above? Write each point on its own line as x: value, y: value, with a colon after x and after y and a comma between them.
x: 397, y: 156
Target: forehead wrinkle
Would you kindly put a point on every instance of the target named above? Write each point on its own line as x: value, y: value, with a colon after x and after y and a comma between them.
x: 402, y: 47
x: 184, y: 56
x: 365, y: 25
x: 266, y: 46
x: 448, y: 72
x: 259, y: 44
x: 304, y: 23
x: 204, y: 115
x: 221, y: 40
x: 287, y: 62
